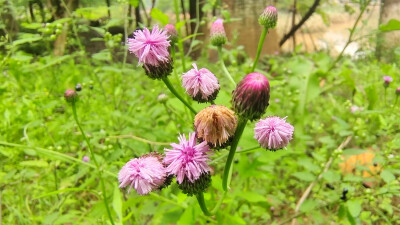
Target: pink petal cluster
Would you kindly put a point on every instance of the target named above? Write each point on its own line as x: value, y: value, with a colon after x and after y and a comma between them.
x: 250, y: 99
x: 145, y: 174
x: 273, y: 133
x: 85, y: 158
x: 200, y: 83
x: 269, y: 17
x: 150, y: 47
x: 217, y: 28
x: 387, y: 79
x: 187, y: 159
x: 217, y: 33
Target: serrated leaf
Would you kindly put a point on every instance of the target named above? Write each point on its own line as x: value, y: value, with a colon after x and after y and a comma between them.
x: 387, y: 176
x: 252, y: 196
x: 354, y: 207
x: 306, y: 176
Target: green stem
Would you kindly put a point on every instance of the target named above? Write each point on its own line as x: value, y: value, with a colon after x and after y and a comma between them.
x: 221, y: 59
x: 173, y: 59
x: 212, y: 102
x: 259, y: 48
x: 238, y: 133
x: 103, y: 189
x: 385, y: 96
x: 200, y: 199
x: 180, y: 43
x: 172, y: 89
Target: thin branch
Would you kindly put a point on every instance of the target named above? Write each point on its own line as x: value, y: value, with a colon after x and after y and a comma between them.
x: 302, y: 21
x: 311, y: 186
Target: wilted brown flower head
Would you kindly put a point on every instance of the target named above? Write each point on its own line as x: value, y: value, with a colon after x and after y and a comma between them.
x: 215, y: 124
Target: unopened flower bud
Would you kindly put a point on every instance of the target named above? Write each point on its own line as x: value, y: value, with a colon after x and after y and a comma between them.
x: 171, y: 31
x: 85, y: 158
x: 71, y: 96
x: 387, y: 80
x: 217, y: 33
x: 269, y: 17
x: 251, y: 97
x: 162, y: 98
x: 398, y: 91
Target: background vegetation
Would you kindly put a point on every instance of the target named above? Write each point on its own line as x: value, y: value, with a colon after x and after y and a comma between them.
x: 346, y: 140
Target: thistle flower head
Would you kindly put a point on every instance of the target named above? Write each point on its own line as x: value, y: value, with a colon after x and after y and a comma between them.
x: 201, y: 84
x: 269, y: 17
x: 172, y: 32
x: 217, y: 33
x: 71, y: 96
x: 144, y: 174
x: 398, y: 91
x: 187, y: 159
x: 387, y: 80
x: 151, y: 48
x: 215, y: 124
x: 85, y: 158
x: 273, y: 133
x: 250, y: 99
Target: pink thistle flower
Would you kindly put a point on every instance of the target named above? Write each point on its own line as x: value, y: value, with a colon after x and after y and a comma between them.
x: 151, y: 48
x: 145, y: 174
x: 273, y: 133
x: 201, y: 85
x: 355, y: 109
x: 186, y: 159
x: 250, y: 99
x: 217, y: 33
x: 387, y: 80
x: 85, y: 158
x: 269, y: 17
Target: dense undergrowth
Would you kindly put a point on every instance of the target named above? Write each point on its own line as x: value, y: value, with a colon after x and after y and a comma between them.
x: 345, y: 146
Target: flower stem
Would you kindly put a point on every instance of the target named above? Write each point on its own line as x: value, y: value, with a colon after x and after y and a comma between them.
x: 238, y: 133
x: 173, y: 59
x: 385, y: 96
x: 180, y: 43
x: 259, y: 48
x: 103, y: 189
x: 200, y: 199
x: 221, y: 59
x: 172, y: 89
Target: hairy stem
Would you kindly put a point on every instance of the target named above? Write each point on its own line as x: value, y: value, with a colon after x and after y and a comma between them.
x: 226, y: 72
x: 103, y: 189
x: 238, y: 133
x: 259, y: 48
x: 172, y: 89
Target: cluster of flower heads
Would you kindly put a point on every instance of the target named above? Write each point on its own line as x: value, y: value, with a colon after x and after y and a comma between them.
x: 214, y: 126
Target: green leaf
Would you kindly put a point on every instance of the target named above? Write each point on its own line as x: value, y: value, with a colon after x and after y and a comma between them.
x: 34, y: 163
x: 160, y: 16
x: 252, y: 197
x: 372, y: 96
x: 308, y: 205
x: 387, y: 176
x: 117, y: 202
x: 306, y: 176
x: 393, y: 24
x: 134, y: 3
x: 354, y: 207
x: 331, y: 177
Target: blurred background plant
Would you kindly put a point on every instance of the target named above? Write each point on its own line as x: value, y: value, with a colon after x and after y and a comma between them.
x: 343, y: 165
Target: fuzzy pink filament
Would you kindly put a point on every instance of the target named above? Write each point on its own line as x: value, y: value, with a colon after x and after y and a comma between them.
x: 187, y: 159
x: 273, y: 133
